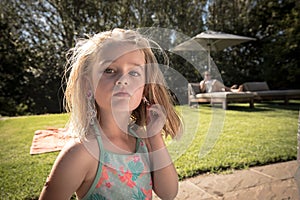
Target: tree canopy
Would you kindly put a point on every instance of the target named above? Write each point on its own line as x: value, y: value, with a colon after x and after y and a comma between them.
x: 36, y: 35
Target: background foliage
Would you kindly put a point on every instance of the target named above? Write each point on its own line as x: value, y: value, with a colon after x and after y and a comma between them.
x: 35, y: 36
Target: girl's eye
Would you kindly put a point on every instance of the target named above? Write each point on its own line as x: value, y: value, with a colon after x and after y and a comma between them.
x: 109, y: 71
x: 134, y: 73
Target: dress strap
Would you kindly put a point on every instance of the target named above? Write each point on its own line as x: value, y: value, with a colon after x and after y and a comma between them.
x: 100, y: 163
x: 99, y: 140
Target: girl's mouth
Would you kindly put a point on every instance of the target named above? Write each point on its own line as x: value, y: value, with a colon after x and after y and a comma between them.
x: 121, y: 94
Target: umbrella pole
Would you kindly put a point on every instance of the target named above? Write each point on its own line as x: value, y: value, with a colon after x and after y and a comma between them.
x: 209, y: 60
x: 209, y: 64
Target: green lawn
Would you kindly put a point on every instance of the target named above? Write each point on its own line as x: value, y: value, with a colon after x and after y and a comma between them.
x: 265, y: 134
x: 249, y: 137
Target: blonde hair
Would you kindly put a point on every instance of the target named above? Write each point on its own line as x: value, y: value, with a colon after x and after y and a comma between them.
x: 79, y: 71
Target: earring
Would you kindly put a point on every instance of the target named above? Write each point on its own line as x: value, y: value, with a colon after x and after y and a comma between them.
x: 145, y: 100
x: 91, y: 109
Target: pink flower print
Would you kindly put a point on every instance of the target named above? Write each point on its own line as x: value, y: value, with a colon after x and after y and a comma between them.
x: 127, y: 178
x: 141, y: 143
x: 108, y: 184
x: 136, y: 158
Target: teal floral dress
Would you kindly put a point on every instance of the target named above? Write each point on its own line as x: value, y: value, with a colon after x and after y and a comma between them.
x: 122, y: 176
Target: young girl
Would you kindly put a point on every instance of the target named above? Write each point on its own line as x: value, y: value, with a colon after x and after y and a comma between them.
x: 120, y: 109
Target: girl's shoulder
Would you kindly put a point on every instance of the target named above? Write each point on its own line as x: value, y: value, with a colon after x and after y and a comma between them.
x: 79, y: 158
x: 73, y: 167
x: 81, y: 149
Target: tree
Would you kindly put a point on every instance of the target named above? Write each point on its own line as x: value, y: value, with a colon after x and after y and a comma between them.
x: 39, y: 33
x: 272, y: 57
x: 278, y: 28
x: 14, y: 73
x: 36, y: 35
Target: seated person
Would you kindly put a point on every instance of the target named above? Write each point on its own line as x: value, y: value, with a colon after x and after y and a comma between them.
x: 213, y: 85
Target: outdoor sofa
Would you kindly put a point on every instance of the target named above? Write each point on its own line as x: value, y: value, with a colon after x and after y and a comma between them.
x: 252, y: 92
x: 224, y: 98
x: 262, y: 92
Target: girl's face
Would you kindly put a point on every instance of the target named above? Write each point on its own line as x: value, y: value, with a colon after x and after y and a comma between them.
x: 121, y: 83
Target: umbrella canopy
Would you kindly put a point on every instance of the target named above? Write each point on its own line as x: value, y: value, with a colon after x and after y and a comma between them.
x: 211, y: 41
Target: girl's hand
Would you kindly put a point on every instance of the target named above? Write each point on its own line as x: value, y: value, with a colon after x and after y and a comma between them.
x: 156, y: 119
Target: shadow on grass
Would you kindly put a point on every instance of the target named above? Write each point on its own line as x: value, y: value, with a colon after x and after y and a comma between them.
x: 258, y: 106
x: 266, y: 106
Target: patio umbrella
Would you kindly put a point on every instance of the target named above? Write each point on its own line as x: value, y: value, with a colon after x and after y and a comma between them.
x: 211, y: 41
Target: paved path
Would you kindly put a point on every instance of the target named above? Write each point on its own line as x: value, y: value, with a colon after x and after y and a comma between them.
x: 275, y: 181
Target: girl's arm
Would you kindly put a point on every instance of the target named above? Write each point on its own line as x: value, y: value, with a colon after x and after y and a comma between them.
x: 164, y: 175
x: 68, y: 173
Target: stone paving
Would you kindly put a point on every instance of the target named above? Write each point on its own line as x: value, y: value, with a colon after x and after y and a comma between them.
x: 275, y: 181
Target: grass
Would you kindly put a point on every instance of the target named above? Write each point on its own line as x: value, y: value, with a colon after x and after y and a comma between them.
x: 22, y: 175
x: 241, y: 137
x: 261, y: 136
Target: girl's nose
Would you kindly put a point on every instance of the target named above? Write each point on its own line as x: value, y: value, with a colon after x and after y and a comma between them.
x: 122, y: 81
